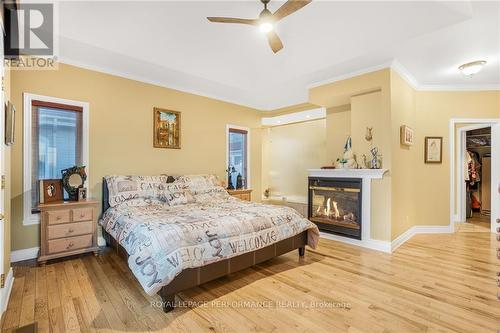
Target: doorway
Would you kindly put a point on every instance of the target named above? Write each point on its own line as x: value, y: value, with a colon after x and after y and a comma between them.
x: 477, y: 179
x: 475, y: 151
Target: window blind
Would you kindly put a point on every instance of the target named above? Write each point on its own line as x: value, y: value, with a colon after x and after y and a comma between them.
x: 56, y: 141
x: 238, y: 153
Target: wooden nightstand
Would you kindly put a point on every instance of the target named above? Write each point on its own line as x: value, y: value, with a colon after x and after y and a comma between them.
x: 243, y: 194
x: 67, y: 228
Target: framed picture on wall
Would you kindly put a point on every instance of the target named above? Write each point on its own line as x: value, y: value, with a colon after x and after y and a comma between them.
x: 406, y: 135
x: 10, y: 117
x: 166, y: 129
x: 433, y: 149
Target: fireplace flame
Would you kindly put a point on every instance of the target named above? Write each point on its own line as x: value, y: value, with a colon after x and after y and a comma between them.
x: 327, y: 209
x: 336, y: 212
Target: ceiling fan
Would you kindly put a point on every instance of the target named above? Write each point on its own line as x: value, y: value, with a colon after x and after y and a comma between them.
x: 267, y: 20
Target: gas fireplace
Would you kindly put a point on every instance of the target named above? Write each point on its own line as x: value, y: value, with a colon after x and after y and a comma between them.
x: 335, y: 205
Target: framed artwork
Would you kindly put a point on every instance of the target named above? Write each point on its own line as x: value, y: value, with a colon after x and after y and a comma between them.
x: 433, y: 149
x: 10, y: 116
x: 82, y: 194
x: 51, y: 190
x: 406, y: 135
x: 166, y: 129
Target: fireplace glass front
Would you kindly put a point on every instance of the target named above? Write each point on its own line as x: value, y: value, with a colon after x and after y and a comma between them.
x: 335, y: 205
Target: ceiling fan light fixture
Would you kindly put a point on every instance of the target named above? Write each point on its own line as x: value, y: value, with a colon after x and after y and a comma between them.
x: 266, y: 27
x: 472, y: 68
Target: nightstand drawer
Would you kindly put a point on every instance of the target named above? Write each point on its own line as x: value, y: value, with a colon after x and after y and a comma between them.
x: 68, y: 230
x: 82, y: 214
x: 58, y: 216
x: 70, y: 244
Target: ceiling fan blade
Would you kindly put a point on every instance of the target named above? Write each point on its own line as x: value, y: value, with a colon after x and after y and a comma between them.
x: 290, y: 7
x: 232, y: 20
x: 274, y: 41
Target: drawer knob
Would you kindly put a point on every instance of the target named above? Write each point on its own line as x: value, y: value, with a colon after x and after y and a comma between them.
x: 71, y: 230
x: 498, y: 220
x: 58, y: 217
x: 70, y: 245
x: 82, y: 215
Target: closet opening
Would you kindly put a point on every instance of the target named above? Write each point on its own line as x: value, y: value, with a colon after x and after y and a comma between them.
x: 477, y: 178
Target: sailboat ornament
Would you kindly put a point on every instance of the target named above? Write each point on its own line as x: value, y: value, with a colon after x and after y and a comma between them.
x: 348, y: 160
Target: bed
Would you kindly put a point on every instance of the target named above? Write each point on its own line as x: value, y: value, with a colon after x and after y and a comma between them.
x: 176, y: 234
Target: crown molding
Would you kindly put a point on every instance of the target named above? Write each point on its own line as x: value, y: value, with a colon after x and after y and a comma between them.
x: 350, y: 75
x: 405, y: 74
x: 394, y: 65
x: 476, y: 87
x: 169, y: 85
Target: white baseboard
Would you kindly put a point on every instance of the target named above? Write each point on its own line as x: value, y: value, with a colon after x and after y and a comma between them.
x: 32, y: 253
x: 24, y: 254
x: 373, y: 244
x: 386, y: 246
x: 5, y: 291
x: 419, y: 229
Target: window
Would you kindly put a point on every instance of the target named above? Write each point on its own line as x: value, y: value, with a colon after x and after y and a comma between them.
x: 55, y: 138
x: 238, y: 154
x: 56, y: 141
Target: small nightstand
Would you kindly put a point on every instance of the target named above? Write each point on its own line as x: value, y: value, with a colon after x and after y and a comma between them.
x: 67, y: 228
x: 243, y: 194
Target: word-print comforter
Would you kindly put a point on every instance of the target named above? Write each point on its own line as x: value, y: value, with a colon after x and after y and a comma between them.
x: 162, y: 240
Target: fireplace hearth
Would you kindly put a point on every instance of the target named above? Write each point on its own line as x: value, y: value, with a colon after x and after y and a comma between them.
x: 335, y: 205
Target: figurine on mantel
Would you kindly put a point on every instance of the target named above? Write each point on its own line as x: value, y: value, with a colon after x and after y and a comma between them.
x: 348, y: 160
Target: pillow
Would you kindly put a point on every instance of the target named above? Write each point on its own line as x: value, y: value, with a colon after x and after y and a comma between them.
x: 176, y: 194
x: 139, y: 202
x: 198, y: 182
x: 214, y: 193
x: 123, y: 188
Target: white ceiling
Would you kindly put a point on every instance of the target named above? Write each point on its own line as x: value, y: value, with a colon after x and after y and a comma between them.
x: 171, y: 43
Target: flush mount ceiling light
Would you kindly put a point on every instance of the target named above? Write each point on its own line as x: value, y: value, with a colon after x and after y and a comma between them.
x: 472, y: 68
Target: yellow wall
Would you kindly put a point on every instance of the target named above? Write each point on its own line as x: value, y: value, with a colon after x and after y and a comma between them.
x: 404, y: 158
x: 338, y: 129
x: 7, y: 191
x: 293, y: 149
x: 433, y: 113
x: 370, y: 98
x: 121, y: 121
x: 413, y: 193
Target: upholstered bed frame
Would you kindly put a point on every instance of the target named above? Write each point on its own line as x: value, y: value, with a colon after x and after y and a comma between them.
x: 193, y: 277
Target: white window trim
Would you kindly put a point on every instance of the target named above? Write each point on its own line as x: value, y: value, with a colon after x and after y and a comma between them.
x: 228, y: 127
x: 29, y: 218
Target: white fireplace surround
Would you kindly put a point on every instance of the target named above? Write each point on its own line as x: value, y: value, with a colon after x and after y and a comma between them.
x: 366, y: 176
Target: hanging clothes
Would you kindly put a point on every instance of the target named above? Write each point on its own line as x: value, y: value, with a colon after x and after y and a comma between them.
x: 473, y: 166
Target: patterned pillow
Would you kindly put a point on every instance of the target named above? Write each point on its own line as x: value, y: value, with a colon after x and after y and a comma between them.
x: 140, y: 202
x: 176, y: 194
x: 215, y: 193
x: 123, y: 188
x: 198, y: 182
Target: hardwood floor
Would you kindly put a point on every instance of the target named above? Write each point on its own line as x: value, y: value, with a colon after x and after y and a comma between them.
x: 478, y: 223
x: 433, y: 283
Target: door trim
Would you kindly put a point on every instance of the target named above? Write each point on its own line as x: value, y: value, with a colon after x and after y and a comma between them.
x: 495, y: 150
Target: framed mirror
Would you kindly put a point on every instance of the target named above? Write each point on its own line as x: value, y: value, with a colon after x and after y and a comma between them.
x: 73, y: 179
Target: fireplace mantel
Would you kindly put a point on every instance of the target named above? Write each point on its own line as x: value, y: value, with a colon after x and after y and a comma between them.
x: 348, y: 173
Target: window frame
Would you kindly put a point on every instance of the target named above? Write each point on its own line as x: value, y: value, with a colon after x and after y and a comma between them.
x: 30, y: 218
x: 240, y: 129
